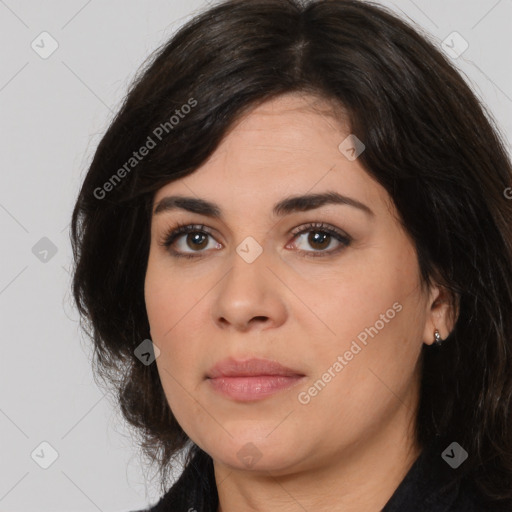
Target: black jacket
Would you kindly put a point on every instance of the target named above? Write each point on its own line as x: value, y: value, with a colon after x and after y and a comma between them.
x: 427, y: 487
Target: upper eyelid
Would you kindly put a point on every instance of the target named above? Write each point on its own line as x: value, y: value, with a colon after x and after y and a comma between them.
x: 303, y: 226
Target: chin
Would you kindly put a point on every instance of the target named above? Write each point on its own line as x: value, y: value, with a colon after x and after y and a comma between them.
x: 251, y: 453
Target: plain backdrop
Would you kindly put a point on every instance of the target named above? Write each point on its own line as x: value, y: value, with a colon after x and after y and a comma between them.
x: 54, y: 110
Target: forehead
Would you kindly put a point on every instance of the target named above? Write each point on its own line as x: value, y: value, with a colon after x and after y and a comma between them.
x: 285, y: 146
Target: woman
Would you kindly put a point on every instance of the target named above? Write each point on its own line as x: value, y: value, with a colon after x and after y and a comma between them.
x: 294, y: 253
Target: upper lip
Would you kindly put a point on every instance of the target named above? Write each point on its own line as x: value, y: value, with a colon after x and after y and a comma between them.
x: 231, y: 367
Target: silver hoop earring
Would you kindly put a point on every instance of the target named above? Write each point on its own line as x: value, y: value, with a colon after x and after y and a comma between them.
x: 437, y: 338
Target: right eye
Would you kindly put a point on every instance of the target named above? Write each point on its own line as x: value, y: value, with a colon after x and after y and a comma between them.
x: 199, y: 234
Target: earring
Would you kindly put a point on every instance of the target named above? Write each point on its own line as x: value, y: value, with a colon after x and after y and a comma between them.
x: 437, y: 338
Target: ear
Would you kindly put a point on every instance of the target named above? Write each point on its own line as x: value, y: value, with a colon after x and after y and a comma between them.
x: 441, y: 314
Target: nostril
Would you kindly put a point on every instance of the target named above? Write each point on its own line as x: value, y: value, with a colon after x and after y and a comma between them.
x: 260, y: 318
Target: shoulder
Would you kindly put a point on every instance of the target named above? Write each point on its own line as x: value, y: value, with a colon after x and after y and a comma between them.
x: 470, y: 500
x: 431, y: 485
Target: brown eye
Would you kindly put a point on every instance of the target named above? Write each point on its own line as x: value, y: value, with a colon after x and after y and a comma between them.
x: 196, y: 240
x: 317, y: 240
x: 320, y: 237
x: 191, y: 241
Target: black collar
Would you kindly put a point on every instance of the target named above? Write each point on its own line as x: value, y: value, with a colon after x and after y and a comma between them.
x: 431, y: 485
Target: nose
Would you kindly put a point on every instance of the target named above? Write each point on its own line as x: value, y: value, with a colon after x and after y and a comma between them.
x: 250, y: 296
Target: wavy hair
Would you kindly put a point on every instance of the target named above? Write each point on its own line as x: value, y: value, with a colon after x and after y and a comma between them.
x: 429, y: 142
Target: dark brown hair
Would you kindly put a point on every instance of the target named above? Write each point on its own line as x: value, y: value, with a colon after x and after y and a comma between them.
x: 429, y: 142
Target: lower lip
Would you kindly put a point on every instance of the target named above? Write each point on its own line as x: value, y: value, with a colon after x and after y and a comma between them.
x: 247, y: 389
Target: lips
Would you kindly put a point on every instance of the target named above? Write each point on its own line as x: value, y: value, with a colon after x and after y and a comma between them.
x: 250, y: 368
x: 251, y: 380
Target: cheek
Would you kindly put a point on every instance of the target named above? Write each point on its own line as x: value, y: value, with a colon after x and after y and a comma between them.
x: 169, y: 300
x: 155, y: 295
x: 374, y: 288
x: 376, y: 313
x: 169, y: 324
x: 377, y: 375
x: 180, y: 352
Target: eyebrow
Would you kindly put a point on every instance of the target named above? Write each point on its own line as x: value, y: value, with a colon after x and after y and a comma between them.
x: 285, y: 207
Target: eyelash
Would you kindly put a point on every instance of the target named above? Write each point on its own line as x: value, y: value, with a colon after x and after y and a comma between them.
x: 173, y: 233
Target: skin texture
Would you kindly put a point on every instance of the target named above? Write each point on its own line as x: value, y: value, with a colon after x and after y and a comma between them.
x: 350, y: 446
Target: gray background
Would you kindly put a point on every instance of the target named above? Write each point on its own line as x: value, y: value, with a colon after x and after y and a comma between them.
x: 53, y: 114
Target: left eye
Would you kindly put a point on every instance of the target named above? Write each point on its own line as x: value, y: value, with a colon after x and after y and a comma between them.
x: 320, y: 238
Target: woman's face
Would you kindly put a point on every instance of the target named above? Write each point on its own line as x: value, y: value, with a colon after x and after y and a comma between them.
x: 340, y: 304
